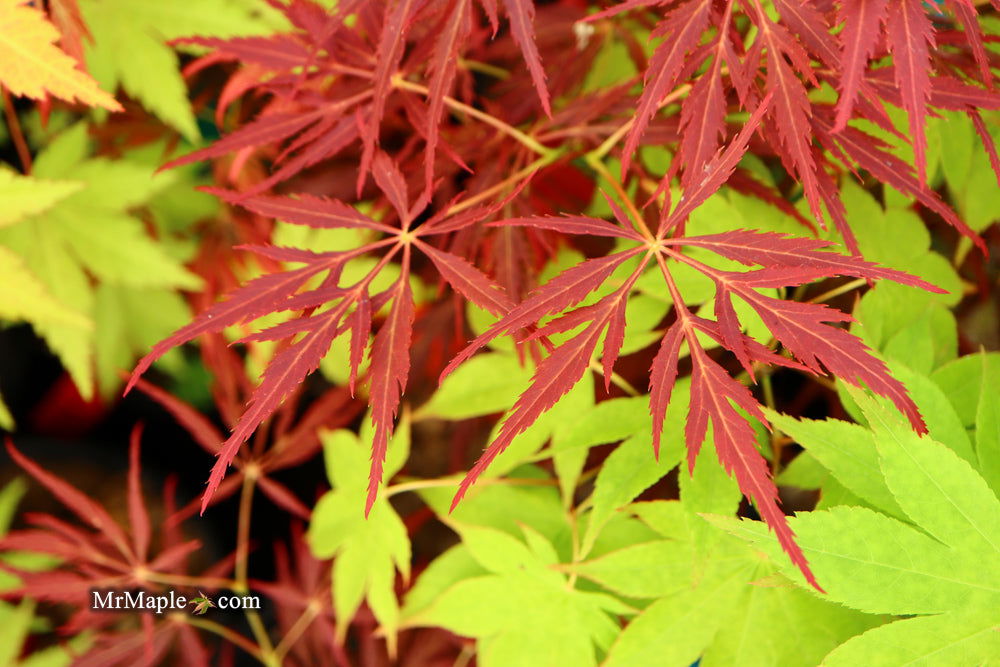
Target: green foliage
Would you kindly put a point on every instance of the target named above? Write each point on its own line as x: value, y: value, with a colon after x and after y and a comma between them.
x: 929, y: 549
x: 81, y: 267
x: 150, y: 72
x: 367, y: 552
x: 578, y: 545
x: 906, y: 527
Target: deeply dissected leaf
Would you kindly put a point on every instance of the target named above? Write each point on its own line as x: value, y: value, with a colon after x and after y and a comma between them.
x: 291, y: 290
x: 910, y: 36
x: 329, y: 96
x: 716, y: 397
x: 521, y: 14
x: 862, y: 24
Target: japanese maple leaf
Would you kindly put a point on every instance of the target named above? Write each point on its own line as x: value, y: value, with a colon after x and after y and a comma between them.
x: 344, y: 88
x: 35, y: 67
x: 289, y: 445
x: 704, y: 55
x: 333, y: 309
x: 101, y: 554
x: 301, y: 590
x: 716, y: 398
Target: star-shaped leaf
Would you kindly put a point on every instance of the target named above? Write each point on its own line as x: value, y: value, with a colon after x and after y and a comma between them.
x: 942, y: 566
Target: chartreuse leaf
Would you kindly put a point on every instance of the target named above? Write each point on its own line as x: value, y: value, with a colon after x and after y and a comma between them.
x: 631, y: 468
x: 448, y: 569
x: 988, y: 424
x: 131, y: 320
x: 709, y: 488
x: 368, y: 552
x: 939, y: 492
x: 485, y: 384
x: 675, y: 630
x: 905, y: 323
x: 612, y: 66
x: 23, y: 196
x: 6, y: 418
x: 151, y: 72
x: 522, y: 611
x: 943, y: 564
x: 712, y: 591
x: 608, y: 421
x: 962, y: 382
x: 871, y: 562
x: 15, y: 622
x: 10, y: 496
x: 568, y: 463
x: 86, y: 244
x: 805, y: 472
x: 528, y: 496
x: 490, y: 383
x: 848, y: 451
x: 967, y: 171
x: 24, y: 297
x: 963, y: 637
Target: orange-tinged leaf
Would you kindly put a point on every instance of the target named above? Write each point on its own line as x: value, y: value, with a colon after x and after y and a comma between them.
x: 34, y: 67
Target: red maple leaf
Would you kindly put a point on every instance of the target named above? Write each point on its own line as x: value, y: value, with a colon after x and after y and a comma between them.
x: 802, y: 329
x: 332, y: 309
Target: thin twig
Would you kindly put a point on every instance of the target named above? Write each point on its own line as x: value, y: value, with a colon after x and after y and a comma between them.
x: 227, y: 634
x: 242, y: 558
x: 23, y: 153
x: 294, y: 632
x: 492, y: 121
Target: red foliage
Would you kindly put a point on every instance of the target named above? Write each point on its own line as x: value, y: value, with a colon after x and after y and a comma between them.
x: 396, y: 91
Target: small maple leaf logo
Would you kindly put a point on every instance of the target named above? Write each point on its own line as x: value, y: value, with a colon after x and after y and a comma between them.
x: 201, y: 603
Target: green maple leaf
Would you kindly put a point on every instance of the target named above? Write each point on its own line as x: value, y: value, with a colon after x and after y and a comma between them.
x: 71, y: 253
x: 130, y: 49
x: 508, y: 594
x: 709, y: 592
x: 366, y: 552
x: 24, y: 195
x: 939, y: 563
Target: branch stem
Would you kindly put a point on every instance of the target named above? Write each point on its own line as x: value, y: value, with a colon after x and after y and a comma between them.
x: 16, y: 135
x: 294, y: 632
x: 229, y: 635
x: 242, y: 558
x: 492, y: 121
